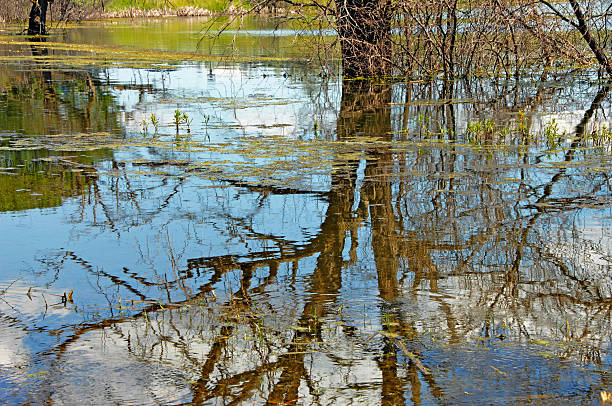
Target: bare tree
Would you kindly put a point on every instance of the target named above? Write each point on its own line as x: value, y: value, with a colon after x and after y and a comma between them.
x: 37, y: 21
x: 594, y: 18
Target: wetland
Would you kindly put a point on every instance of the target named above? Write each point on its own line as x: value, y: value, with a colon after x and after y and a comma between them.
x: 225, y: 221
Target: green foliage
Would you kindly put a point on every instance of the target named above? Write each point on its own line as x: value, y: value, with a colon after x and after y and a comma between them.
x: 145, y: 127
x: 155, y: 122
x: 523, y: 126
x: 206, y: 118
x: 552, y: 134
x: 187, y: 121
x: 182, y: 118
x: 211, y: 5
x: 178, y: 119
x: 478, y: 131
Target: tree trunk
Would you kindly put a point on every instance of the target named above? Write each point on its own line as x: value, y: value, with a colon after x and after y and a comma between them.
x: 590, y: 40
x: 364, y: 30
x: 37, y: 22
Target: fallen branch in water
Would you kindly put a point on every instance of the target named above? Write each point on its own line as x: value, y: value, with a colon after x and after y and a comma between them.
x: 416, y: 361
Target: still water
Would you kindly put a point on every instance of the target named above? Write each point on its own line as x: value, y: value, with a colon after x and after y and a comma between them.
x: 228, y: 222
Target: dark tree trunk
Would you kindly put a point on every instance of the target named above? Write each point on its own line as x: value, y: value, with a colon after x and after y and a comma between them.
x: 364, y: 30
x: 590, y: 40
x: 37, y: 23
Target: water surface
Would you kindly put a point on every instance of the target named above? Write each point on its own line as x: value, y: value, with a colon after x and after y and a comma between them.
x: 296, y: 239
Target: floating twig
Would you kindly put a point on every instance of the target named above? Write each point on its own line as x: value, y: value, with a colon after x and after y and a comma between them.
x: 497, y: 370
x: 413, y: 358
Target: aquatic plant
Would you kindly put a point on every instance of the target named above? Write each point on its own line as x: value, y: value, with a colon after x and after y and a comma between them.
x: 478, y: 131
x: 178, y: 119
x: 187, y: 121
x: 523, y: 125
x: 206, y: 118
x: 552, y: 134
x: 181, y: 118
x: 145, y: 127
x: 155, y: 122
x: 601, y: 136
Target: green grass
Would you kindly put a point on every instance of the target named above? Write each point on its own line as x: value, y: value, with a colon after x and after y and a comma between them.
x: 212, y: 5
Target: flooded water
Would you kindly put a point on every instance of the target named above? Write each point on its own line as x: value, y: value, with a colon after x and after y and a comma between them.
x: 224, y: 223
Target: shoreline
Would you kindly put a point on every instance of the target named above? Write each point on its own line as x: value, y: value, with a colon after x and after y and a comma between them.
x: 168, y: 12
x: 187, y: 11
x: 134, y: 12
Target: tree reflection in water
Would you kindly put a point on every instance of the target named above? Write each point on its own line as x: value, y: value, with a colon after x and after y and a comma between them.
x: 483, y: 263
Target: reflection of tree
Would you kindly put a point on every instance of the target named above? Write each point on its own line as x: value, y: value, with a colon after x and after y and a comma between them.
x: 46, y: 101
x: 42, y: 179
x: 481, y: 246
